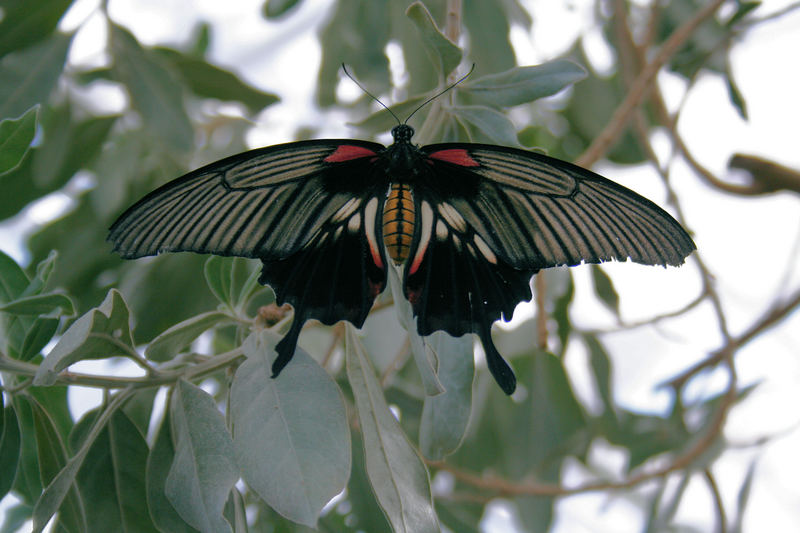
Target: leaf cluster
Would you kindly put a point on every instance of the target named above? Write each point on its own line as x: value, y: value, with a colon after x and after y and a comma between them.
x: 352, y: 436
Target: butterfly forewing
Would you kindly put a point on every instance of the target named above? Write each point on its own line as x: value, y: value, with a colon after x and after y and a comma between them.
x: 537, y: 212
x: 262, y: 203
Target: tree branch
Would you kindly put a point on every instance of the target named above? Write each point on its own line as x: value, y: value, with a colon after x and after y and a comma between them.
x: 641, y: 84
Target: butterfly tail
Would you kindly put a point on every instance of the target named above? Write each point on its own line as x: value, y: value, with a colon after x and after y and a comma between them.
x: 500, y: 370
x: 287, y: 346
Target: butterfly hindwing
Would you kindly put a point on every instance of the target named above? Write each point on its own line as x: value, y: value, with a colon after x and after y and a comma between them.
x: 309, y: 210
x: 491, y: 217
x: 456, y: 283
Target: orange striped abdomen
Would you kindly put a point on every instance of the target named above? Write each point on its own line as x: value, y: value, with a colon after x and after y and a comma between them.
x: 398, y: 222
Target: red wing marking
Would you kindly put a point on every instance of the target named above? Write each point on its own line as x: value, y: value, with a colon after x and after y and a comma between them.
x: 375, y: 288
x: 347, y: 152
x: 413, y: 296
x: 457, y: 156
x: 412, y: 269
x: 376, y: 255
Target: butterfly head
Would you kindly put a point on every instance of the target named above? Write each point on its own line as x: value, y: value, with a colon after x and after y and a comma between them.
x: 402, y: 133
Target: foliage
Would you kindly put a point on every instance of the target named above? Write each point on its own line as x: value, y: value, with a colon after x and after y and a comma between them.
x: 350, y: 416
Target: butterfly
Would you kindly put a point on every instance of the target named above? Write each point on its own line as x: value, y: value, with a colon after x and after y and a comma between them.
x: 469, y: 223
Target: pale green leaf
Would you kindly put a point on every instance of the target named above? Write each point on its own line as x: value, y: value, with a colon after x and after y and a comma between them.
x: 159, y: 461
x: 520, y: 85
x: 291, y: 436
x: 203, y: 472
x: 154, y: 89
x: 100, y: 333
x: 28, y: 76
x: 16, y: 136
x: 398, y: 476
x: 445, y: 417
x: 172, y: 341
x: 52, y: 303
x: 443, y: 53
x: 424, y: 358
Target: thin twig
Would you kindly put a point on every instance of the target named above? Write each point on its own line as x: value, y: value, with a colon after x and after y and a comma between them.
x: 642, y: 84
x: 65, y: 377
x: 769, y: 319
x: 722, y: 522
x: 540, y: 286
x: 534, y: 488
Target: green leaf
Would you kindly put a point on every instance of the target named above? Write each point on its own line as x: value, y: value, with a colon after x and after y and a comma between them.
x: 27, y: 483
x: 203, y: 472
x: 276, y: 8
x: 461, y: 516
x: 367, y: 27
x: 67, y: 146
x: 15, y: 517
x: 111, y: 478
x: 16, y: 136
x: 486, y: 124
x: 442, y: 52
x: 704, y: 48
x: 57, y: 473
x: 154, y: 90
x: 96, y: 335
x: 601, y: 367
x: 25, y: 23
x: 235, y: 512
x: 166, y: 291
x: 210, y: 81
x: 424, y: 358
x: 588, y: 113
x: 488, y: 25
x: 13, y: 282
x: 604, y: 289
x: 52, y: 303
x: 743, y: 9
x: 556, y: 415
x: 9, y: 447
x: 398, y: 476
x: 561, y: 311
x: 27, y: 77
x: 362, y: 515
x: 139, y: 408
x: 291, y: 436
x: 44, y: 269
x: 36, y: 338
x: 168, y: 344
x: 158, y: 463
x: 743, y: 497
x: 219, y: 276
x: 445, y: 417
x: 734, y: 93
x: 382, y: 120
x: 520, y: 85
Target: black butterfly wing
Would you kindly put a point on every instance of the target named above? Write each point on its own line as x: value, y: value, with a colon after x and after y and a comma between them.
x: 490, y: 217
x: 456, y: 283
x: 539, y: 212
x: 309, y: 210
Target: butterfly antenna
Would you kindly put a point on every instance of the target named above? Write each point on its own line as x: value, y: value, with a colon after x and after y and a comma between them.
x: 440, y: 93
x: 370, y: 94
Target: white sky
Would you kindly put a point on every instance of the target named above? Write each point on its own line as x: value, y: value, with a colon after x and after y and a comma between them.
x: 747, y: 242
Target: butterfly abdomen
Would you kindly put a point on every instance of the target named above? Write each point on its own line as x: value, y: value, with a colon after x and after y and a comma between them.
x: 398, y: 222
